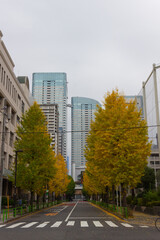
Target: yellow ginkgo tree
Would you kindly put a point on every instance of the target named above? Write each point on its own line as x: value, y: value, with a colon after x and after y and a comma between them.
x: 59, y: 183
x: 117, y: 144
x: 36, y: 162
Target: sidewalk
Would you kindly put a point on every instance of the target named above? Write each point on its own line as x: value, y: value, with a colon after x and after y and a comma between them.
x: 142, y: 219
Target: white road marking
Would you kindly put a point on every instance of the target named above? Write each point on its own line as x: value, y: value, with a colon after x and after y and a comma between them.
x: 57, y: 224
x: 127, y: 225
x: 16, y: 225
x: 71, y: 223
x: 60, y: 209
x: 144, y: 226
x: 42, y: 225
x: 87, y: 218
x: 111, y: 224
x: 2, y: 225
x: 29, y: 225
x: 84, y: 224
x: 71, y: 212
x: 97, y: 224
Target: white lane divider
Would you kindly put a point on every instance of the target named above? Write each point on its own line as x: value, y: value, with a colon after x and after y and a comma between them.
x: 97, y: 224
x: 29, y: 225
x: 84, y: 224
x: 71, y: 223
x: 71, y: 212
x: 42, y: 225
x: 127, y: 225
x: 16, y: 225
x: 111, y: 224
x: 56, y: 224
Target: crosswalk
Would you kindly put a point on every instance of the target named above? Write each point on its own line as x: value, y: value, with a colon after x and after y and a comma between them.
x: 57, y: 224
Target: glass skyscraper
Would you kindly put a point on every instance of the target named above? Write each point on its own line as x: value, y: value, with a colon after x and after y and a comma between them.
x: 81, y: 115
x: 51, y: 88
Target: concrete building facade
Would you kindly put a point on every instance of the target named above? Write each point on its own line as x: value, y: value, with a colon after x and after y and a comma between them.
x: 14, y: 101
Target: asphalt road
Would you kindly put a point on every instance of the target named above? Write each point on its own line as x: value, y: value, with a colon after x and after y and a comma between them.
x: 74, y: 221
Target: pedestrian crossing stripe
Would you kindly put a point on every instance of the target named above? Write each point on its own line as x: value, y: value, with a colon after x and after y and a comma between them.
x: 2, y: 225
x: 111, y: 224
x: 57, y: 224
x: 16, y: 225
x: 84, y: 224
x: 127, y: 225
x: 71, y: 223
x: 29, y: 225
x: 42, y: 225
x: 97, y: 224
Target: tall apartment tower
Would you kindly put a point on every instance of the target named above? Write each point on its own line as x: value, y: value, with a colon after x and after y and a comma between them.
x: 52, y: 117
x: 51, y: 88
x: 82, y: 112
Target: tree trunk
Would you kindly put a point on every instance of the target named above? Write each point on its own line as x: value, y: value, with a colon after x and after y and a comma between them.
x: 113, y: 194
x: 124, y: 202
x: 43, y: 199
x: 107, y: 194
x: 37, y: 199
x: 133, y: 193
x: 31, y: 200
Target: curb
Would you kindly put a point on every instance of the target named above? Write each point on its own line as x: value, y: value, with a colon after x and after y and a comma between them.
x: 29, y: 214
x: 120, y: 218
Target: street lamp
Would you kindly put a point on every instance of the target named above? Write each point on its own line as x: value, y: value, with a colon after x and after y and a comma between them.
x: 15, y: 175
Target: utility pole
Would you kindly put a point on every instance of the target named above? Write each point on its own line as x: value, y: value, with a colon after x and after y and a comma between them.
x: 2, y: 156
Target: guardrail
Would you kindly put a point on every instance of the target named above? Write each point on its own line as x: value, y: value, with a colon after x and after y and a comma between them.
x: 20, y: 211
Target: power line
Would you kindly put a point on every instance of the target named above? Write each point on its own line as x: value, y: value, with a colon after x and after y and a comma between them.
x: 79, y: 131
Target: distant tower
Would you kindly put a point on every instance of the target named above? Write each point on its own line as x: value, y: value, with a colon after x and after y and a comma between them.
x: 81, y: 115
x: 52, y: 117
x: 51, y: 88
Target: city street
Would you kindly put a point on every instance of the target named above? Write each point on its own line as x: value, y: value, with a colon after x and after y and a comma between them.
x: 74, y: 221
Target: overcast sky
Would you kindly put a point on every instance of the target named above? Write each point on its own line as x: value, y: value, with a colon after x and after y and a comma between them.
x: 100, y: 44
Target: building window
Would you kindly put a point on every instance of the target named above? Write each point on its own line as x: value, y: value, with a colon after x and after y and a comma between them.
x: 22, y: 107
x: 10, y: 162
x: 2, y: 75
x: 11, y: 139
x: 18, y: 119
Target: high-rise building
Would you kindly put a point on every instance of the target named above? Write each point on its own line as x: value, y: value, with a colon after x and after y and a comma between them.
x: 51, y: 88
x: 52, y: 117
x: 82, y: 112
x: 139, y: 102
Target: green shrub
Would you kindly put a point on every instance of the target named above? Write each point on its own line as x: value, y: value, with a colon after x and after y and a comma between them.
x: 153, y: 203
x: 129, y: 199
x: 4, y: 201
x: 135, y: 201
x: 151, y: 196
x: 139, y: 201
x: 11, y: 202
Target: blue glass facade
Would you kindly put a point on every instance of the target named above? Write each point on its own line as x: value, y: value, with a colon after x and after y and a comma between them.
x: 49, y: 88
x: 81, y: 115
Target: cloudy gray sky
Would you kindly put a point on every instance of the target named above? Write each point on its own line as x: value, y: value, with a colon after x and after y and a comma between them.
x: 100, y: 44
